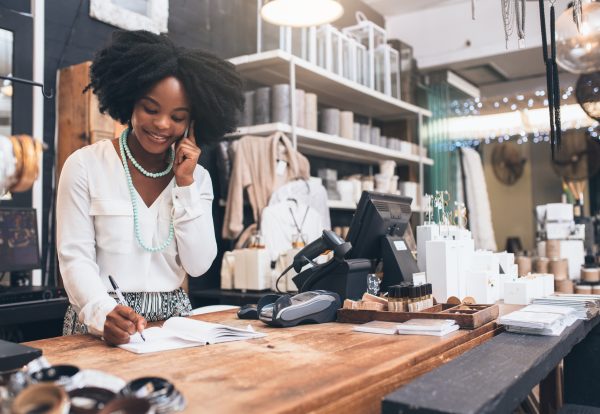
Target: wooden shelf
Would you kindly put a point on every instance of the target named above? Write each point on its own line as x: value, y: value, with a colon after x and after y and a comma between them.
x: 273, y: 67
x: 334, y: 147
x: 342, y: 205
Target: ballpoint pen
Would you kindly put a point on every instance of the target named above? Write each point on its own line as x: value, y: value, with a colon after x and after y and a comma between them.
x: 120, y: 297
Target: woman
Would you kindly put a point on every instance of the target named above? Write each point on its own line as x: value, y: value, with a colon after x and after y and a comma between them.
x: 138, y: 207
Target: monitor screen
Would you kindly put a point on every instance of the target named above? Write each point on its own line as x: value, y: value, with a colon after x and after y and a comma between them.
x: 19, y: 248
x: 377, y: 215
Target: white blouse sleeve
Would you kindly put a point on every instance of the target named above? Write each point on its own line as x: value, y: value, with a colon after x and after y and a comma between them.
x: 75, y: 240
x: 193, y: 223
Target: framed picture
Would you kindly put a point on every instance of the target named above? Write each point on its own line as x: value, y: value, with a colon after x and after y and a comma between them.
x: 152, y: 15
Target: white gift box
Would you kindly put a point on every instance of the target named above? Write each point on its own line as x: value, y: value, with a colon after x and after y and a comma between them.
x: 506, y: 260
x: 547, y: 280
x: 558, y: 231
x: 442, y: 268
x: 559, y: 212
x: 252, y: 269
x: 484, y: 287
x: 424, y: 234
x: 519, y: 292
x: 486, y: 261
x: 574, y: 252
x: 503, y: 278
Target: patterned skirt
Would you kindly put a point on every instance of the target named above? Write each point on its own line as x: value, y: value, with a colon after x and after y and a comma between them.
x: 154, y: 306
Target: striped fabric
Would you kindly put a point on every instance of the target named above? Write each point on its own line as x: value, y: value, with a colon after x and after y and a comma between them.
x: 154, y: 306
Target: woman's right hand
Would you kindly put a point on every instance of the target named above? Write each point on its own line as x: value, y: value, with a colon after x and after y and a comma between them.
x: 121, y: 323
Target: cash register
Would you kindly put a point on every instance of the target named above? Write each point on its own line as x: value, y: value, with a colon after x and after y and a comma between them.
x: 376, y: 236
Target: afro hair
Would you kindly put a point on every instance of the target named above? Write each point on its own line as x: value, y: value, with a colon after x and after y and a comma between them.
x: 135, y: 61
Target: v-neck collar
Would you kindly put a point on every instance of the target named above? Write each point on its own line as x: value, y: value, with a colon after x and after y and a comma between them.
x: 140, y: 200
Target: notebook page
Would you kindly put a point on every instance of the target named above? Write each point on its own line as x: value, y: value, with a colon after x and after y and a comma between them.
x: 193, y: 329
x: 157, y: 339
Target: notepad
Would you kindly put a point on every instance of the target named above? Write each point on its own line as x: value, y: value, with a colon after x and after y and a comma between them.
x: 434, y: 327
x: 378, y: 327
x: 179, y: 333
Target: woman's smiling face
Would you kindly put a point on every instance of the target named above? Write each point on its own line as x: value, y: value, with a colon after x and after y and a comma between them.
x: 161, y: 116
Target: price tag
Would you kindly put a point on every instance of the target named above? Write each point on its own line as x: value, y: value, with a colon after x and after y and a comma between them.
x: 281, y: 166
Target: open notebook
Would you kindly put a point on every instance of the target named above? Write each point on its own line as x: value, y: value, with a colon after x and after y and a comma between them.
x: 185, y: 333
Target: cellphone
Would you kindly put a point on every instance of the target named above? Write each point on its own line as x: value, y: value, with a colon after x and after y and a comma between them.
x: 187, y: 132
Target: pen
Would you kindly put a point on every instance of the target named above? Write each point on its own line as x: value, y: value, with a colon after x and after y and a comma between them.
x: 120, y: 297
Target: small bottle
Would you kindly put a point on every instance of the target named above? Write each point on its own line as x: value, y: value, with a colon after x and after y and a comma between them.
x: 404, y: 292
x: 412, y: 298
x: 392, y: 298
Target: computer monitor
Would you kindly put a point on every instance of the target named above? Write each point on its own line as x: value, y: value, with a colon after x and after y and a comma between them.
x: 19, y: 249
x: 376, y: 233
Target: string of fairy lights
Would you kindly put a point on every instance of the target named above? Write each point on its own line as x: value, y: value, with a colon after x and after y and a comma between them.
x: 518, y: 104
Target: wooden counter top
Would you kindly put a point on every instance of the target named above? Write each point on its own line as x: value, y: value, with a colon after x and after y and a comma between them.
x: 324, y: 368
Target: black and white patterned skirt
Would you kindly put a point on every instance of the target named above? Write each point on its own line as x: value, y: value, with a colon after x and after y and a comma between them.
x: 154, y: 306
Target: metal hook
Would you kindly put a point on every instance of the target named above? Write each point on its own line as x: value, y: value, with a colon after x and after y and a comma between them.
x: 28, y: 82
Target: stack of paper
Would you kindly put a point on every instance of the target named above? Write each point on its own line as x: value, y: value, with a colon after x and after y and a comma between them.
x: 378, y: 327
x: 539, y: 320
x: 434, y: 327
x: 585, y: 306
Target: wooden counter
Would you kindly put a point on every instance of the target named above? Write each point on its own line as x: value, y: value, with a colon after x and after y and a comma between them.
x: 324, y: 368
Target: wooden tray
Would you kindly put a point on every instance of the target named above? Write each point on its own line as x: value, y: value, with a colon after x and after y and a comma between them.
x: 466, y: 316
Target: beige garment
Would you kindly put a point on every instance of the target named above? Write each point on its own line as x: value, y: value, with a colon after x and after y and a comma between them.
x: 255, y: 170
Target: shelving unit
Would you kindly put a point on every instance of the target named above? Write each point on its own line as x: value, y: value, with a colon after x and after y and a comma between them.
x: 344, y: 205
x: 318, y: 143
x: 278, y: 66
x: 273, y: 67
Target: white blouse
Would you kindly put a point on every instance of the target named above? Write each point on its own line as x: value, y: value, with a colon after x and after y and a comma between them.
x: 95, y: 235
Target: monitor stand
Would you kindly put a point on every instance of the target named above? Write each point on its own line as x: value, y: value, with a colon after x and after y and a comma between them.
x: 398, y: 262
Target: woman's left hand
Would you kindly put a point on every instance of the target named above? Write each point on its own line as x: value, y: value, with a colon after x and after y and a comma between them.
x: 186, y: 159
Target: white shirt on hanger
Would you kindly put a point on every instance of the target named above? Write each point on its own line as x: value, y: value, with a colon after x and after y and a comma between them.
x: 95, y: 233
x: 310, y: 192
x: 279, y: 224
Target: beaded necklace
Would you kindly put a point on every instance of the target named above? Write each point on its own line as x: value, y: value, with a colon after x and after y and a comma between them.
x: 136, y: 224
x: 142, y: 169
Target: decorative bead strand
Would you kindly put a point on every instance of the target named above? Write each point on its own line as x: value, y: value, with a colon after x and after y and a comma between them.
x: 136, y: 224
x: 142, y: 169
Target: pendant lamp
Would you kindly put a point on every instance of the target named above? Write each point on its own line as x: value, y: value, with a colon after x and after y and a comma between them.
x: 301, y: 13
x: 578, y: 51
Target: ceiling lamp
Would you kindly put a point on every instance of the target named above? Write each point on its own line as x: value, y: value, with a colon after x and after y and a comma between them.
x: 301, y: 13
x: 578, y: 51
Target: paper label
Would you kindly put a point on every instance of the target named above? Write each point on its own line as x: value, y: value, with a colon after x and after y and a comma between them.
x: 400, y: 245
x: 281, y: 166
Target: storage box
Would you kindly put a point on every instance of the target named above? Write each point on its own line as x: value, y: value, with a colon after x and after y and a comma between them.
x: 424, y: 234
x: 519, y: 292
x: 559, y: 212
x: 252, y: 269
x: 442, y: 268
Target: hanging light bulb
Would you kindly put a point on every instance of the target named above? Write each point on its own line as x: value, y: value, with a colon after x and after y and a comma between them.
x: 579, y: 51
x: 301, y: 13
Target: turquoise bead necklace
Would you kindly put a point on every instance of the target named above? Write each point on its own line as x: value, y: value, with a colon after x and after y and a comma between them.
x: 142, y: 169
x: 136, y: 224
